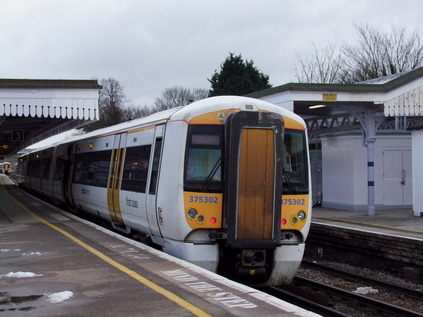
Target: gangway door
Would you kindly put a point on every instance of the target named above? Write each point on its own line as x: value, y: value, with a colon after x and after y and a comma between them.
x: 254, y: 178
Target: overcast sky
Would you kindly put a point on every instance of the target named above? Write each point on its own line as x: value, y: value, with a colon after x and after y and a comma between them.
x: 150, y: 45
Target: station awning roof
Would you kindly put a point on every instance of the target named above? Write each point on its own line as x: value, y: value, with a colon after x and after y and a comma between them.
x: 409, y: 103
x: 34, y: 109
x: 330, y: 108
x: 400, y: 94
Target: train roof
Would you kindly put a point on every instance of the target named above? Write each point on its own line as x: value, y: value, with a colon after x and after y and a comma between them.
x: 231, y: 102
x: 185, y: 113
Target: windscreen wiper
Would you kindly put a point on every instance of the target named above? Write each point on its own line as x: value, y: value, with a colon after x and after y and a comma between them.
x: 213, y: 171
x: 287, y: 182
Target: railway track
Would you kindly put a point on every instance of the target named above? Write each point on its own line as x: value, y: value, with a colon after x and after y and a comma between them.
x: 323, y: 299
x: 413, y: 293
x: 329, y: 300
x: 363, y: 303
x: 307, y: 300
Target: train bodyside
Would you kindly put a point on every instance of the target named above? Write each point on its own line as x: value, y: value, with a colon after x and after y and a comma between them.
x: 208, y: 182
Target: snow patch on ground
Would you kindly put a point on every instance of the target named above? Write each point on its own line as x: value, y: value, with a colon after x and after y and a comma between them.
x: 59, y: 297
x: 32, y: 253
x: 366, y: 290
x: 21, y: 274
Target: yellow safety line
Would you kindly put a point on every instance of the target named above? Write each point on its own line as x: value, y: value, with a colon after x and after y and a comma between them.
x: 367, y: 224
x: 178, y: 300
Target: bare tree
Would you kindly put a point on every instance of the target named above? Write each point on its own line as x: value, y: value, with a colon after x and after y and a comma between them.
x: 132, y: 112
x: 111, y: 104
x: 374, y: 54
x: 178, y: 96
x: 323, y: 66
x: 379, y: 54
x: 114, y: 107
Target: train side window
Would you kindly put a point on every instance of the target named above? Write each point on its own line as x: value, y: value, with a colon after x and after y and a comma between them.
x: 155, y: 167
x: 93, y: 168
x: 30, y: 169
x: 45, y: 167
x: 59, y: 168
x: 135, y: 170
x: 34, y: 169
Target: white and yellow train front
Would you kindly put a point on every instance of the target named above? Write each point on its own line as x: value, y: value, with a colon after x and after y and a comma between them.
x: 237, y: 198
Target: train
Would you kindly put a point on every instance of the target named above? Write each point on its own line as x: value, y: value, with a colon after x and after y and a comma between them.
x: 6, y: 168
x: 223, y: 183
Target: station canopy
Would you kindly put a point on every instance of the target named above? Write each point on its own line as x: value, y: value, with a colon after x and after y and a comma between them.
x: 34, y: 109
x: 397, y: 101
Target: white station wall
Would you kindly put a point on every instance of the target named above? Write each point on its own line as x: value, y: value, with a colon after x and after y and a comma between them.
x: 344, y: 171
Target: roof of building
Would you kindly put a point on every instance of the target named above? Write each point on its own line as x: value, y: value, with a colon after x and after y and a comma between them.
x: 34, y: 109
x: 381, y: 84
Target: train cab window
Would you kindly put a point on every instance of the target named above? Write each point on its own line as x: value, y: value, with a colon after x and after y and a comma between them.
x: 295, y: 167
x: 203, y: 159
x: 135, y: 170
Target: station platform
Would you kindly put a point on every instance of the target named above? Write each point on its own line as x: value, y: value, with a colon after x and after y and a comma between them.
x: 55, y: 264
x: 398, y: 222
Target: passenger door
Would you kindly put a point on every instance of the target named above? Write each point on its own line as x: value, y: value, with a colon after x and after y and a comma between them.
x: 153, y: 211
x: 115, y: 176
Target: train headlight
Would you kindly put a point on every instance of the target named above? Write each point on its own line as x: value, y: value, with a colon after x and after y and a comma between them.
x: 294, y: 220
x: 301, y: 215
x: 200, y: 218
x: 192, y: 213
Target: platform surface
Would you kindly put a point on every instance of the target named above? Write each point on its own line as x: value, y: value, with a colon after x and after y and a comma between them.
x: 54, y: 264
x: 398, y: 222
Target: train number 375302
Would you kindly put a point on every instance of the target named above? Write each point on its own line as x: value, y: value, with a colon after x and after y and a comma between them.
x: 203, y: 199
x: 290, y: 202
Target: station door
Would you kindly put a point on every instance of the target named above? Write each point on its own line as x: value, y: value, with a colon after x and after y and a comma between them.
x: 397, y: 176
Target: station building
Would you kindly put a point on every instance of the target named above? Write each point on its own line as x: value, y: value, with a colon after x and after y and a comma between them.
x: 366, y: 141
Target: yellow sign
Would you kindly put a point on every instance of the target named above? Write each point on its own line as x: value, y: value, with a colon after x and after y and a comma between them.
x: 329, y: 97
x: 221, y: 117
